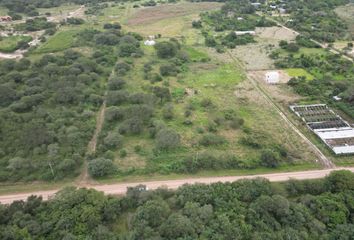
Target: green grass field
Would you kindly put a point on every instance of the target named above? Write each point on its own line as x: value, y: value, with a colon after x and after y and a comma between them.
x: 299, y: 72
x: 59, y: 42
x: 9, y: 44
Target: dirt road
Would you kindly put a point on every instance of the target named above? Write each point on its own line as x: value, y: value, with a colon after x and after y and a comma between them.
x: 121, y: 188
x: 321, y: 157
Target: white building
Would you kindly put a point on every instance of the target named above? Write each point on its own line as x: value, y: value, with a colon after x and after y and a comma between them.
x: 240, y: 33
x: 272, y: 77
x: 149, y: 43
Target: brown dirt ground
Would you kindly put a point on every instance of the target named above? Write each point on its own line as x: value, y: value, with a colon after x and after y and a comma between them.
x: 153, y: 14
x: 276, y: 33
x: 280, y: 92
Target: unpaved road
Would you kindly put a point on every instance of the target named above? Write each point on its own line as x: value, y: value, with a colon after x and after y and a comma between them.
x: 321, y: 157
x: 121, y: 188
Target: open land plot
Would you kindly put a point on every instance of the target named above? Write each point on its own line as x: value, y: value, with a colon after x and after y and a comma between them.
x: 255, y: 56
x: 276, y: 33
x: 9, y: 44
x: 218, y: 80
x: 347, y: 14
x: 60, y: 41
x: 280, y: 92
x: 168, y: 11
x: 299, y: 72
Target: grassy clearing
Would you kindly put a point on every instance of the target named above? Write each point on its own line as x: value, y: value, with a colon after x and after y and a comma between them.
x: 59, y: 42
x: 196, y: 55
x: 9, y: 44
x: 62, y: 10
x: 218, y: 80
x: 299, y: 72
x: 150, y: 15
x: 346, y: 13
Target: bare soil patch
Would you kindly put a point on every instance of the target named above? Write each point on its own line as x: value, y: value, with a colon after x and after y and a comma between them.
x: 276, y: 33
x: 255, y: 56
x: 153, y: 14
x: 280, y: 92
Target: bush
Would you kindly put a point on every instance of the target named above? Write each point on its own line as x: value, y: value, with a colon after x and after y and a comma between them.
x: 122, y: 68
x: 210, y: 139
x: 116, y: 83
x: 236, y: 123
x: 113, y: 140
x: 75, y: 21
x: 167, y: 139
x: 123, y: 153
x: 131, y: 126
x: 166, y: 49
x: 117, y: 97
x: 114, y: 113
x: 112, y: 26
x: 197, y: 24
x: 270, y: 158
x: 101, y: 167
x: 167, y: 111
x: 169, y: 70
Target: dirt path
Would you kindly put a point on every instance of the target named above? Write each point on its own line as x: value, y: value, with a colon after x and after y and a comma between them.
x: 321, y: 157
x: 85, y: 179
x: 121, y: 188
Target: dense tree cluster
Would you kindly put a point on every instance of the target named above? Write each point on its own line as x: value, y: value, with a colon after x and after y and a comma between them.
x: 317, y: 19
x: 46, y: 114
x: 246, y: 209
x: 48, y: 107
x: 29, y: 7
x: 333, y: 77
x: 233, y: 16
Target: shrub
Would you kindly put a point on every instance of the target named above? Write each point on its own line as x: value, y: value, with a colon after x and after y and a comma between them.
x: 270, y: 158
x: 206, y: 102
x: 116, y: 83
x: 236, y: 123
x: 112, y: 26
x: 123, y: 153
x: 197, y: 24
x: 166, y: 49
x: 113, y: 140
x: 167, y: 111
x: 131, y: 126
x: 169, y: 70
x: 114, y: 113
x: 167, y: 139
x: 210, y: 139
x: 101, y: 167
x: 117, y: 97
x: 122, y: 68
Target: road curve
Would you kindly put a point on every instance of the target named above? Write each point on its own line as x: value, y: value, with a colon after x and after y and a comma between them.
x: 121, y: 188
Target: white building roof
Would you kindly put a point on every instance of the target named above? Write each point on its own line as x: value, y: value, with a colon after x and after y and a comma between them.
x: 336, y: 134
x: 149, y: 42
x: 343, y: 150
x: 238, y: 33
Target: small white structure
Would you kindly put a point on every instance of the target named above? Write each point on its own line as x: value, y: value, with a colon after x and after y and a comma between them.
x: 256, y: 4
x: 240, y: 33
x: 272, y: 77
x: 150, y: 41
x: 239, y: 18
x: 336, y: 98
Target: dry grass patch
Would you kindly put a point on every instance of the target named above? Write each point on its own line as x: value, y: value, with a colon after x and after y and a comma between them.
x: 276, y: 33
x: 153, y: 14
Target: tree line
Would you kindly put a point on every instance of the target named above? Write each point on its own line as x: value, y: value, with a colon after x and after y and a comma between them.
x: 246, y: 209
